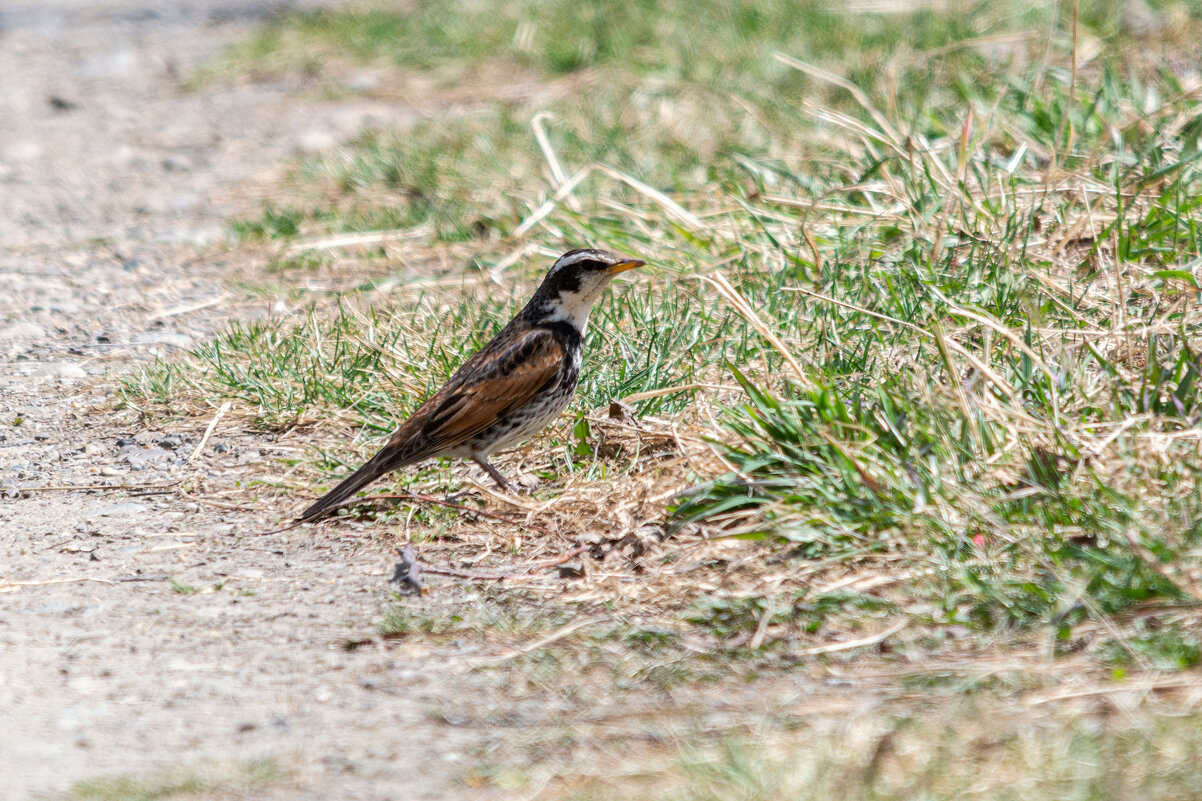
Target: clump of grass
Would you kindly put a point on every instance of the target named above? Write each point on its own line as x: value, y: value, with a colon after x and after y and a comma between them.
x: 983, y: 406
x: 673, y: 108
x: 398, y: 621
x: 707, y: 43
x: 275, y: 223
x: 128, y: 789
x: 472, y: 616
x: 250, y: 776
x: 729, y: 616
x: 1164, y: 647
x: 937, y: 756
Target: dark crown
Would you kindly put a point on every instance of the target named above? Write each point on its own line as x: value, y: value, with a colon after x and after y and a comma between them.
x: 566, y: 276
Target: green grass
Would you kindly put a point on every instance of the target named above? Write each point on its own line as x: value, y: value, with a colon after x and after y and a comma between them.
x: 128, y: 789
x: 979, y: 247
x: 183, y: 783
x: 672, y: 108
x: 658, y: 39
x: 471, y: 615
x: 376, y: 365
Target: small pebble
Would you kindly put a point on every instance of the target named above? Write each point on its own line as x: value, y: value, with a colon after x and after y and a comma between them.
x: 249, y: 457
x: 171, y: 441
x: 142, y: 457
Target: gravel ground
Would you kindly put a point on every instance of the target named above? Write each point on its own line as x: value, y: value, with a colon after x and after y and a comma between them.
x: 115, y: 184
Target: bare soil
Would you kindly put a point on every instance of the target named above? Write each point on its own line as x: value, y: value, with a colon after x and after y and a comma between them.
x: 117, y: 184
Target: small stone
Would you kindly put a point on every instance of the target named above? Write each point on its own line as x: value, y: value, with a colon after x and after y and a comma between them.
x: 22, y: 331
x: 220, y: 447
x: 59, y: 103
x: 315, y: 141
x: 110, y: 471
x: 124, y: 507
x: 177, y: 163
x: 175, y: 340
x: 143, y: 456
x: 54, y: 370
x: 171, y: 441
x: 249, y: 457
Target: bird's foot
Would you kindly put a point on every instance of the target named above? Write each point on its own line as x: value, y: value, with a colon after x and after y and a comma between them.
x: 502, y: 482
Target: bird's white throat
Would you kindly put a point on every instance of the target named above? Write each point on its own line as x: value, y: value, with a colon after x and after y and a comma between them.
x: 574, y: 307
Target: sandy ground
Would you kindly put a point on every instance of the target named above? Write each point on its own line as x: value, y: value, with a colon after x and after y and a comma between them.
x: 115, y: 184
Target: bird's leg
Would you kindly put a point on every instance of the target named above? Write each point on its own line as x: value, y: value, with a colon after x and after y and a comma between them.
x: 496, y: 476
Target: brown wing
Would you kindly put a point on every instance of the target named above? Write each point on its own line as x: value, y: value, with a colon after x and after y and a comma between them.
x: 502, y: 377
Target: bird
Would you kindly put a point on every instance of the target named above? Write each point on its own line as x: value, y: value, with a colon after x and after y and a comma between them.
x: 510, y: 390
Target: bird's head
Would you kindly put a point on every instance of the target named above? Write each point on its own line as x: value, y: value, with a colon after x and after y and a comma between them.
x: 574, y: 283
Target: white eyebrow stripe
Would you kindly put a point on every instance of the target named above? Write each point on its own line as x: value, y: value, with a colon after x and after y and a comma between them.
x: 584, y: 255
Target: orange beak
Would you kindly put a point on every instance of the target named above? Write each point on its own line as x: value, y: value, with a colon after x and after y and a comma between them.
x: 624, y: 265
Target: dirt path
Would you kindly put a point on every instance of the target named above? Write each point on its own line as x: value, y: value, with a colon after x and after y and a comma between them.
x: 114, y: 182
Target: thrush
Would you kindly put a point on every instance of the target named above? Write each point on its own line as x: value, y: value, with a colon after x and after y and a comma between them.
x: 510, y: 390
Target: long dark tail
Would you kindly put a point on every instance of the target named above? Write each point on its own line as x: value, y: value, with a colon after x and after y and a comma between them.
x: 377, y: 466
